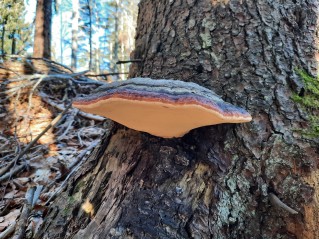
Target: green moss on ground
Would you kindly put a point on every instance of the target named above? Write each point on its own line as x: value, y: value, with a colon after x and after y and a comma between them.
x: 309, y: 99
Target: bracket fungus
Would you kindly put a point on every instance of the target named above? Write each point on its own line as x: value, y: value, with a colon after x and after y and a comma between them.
x: 164, y: 108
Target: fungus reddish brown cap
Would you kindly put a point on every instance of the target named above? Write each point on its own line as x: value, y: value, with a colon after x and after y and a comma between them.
x: 165, y: 108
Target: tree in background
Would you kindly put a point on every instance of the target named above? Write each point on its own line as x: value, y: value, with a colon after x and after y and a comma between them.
x: 75, y: 29
x: 15, y: 33
x: 106, y: 33
x: 90, y: 29
x: 117, y: 40
x: 127, y: 20
x: 64, y: 41
x: 102, y: 34
x: 97, y: 36
x: 115, y: 50
x: 88, y: 25
x: 42, y: 35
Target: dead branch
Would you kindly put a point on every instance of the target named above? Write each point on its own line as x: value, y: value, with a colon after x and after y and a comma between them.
x: 23, y: 220
x: 6, y: 208
x: 7, y: 69
x: 107, y: 74
x: 129, y: 61
x: 14, y: 171
x: 6, y: 233
x: 47, y: 100
x: 36, y: 194
x: 88, y: 81
x: 38, y: 58
x: 69, y: 123
x: 30, y: 78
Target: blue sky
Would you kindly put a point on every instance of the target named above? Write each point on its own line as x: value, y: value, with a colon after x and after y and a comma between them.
x: 30, y: 8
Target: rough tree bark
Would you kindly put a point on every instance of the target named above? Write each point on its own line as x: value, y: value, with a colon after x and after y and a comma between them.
x: 214, y: 182
x: 42, y: 35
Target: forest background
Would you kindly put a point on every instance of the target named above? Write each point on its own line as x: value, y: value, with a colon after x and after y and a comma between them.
x: 87, y: 34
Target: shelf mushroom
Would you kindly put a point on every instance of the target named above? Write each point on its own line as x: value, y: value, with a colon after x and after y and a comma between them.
x: 164, y: 108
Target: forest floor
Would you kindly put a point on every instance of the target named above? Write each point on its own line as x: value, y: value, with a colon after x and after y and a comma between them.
x: 42, y: 139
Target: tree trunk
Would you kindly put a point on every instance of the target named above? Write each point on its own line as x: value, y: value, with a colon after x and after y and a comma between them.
x: 13, y: 42
x: 215, y: 182
x: 90, y: 34
x: 61, y: 37
x: 115, y: 55
x: 75, y: 29
x: 42, y: 35
x: 3, y: 36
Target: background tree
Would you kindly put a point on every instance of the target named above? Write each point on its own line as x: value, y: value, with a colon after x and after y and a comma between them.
x: 87, y: 25
x: 103, y: 37
x: 15, y: 33
x: 121, y: 40
x: 215, y: 182
x: 42, y: 35
x: 65, y: 33
x: 75, y: 29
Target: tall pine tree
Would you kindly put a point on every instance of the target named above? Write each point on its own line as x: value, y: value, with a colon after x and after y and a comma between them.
x: 15, y: 33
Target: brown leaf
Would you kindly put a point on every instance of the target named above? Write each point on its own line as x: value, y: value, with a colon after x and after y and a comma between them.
x: 9, y: 219
x: 11, y: 194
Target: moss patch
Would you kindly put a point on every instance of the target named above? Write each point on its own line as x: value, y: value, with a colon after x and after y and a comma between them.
x: 309, y: 100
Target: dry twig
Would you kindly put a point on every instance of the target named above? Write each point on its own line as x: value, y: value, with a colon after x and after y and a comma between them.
x: 6, y: 233
x: 38, y: 58
x: 108, y: 74
x: 129, y: 61
x: 23, y: 220
x: 14, y: 171
x: 47, y: 100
